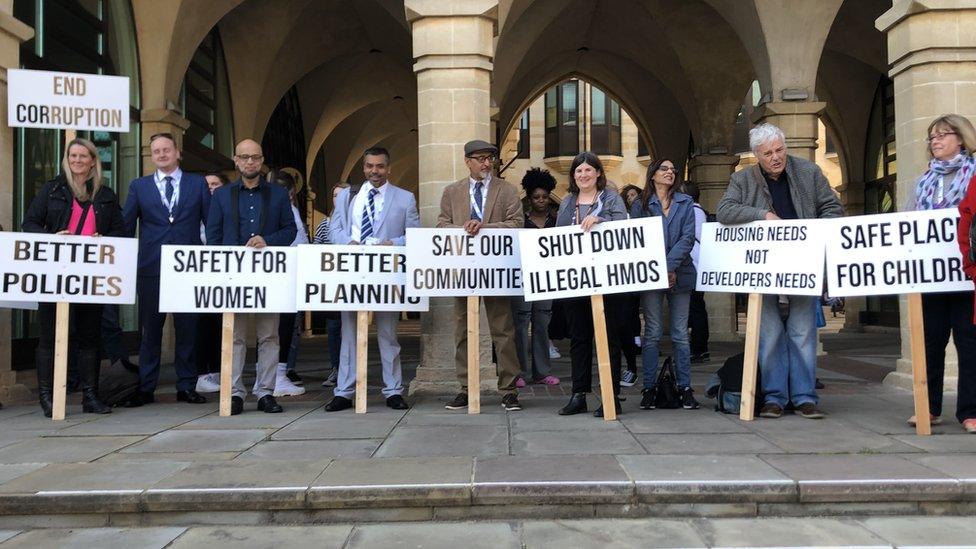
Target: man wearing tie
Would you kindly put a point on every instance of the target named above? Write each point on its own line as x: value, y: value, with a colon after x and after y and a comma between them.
x: 477, y: 202
x: 169, y: 206
x: 379, y: 214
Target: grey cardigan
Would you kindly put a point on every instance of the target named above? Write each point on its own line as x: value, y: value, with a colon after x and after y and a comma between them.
x: 613, y: 208
x: 747, y: 197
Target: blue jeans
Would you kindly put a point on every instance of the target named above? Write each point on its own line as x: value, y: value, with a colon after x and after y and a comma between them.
x: 653, y: 305
x: 788, y: 351
x: 533, y: 352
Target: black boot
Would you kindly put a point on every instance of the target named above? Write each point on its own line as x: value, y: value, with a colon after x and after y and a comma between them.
x: 44, y: 360
x: 577, y: 405
x: 616, y: 405
x: 88, y: 366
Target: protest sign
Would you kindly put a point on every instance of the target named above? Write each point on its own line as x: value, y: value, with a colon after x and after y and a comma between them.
x: 64, y: 100
x: 452, y: 263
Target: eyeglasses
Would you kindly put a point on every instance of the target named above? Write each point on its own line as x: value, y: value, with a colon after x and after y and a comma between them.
x: 938, y: 136
x: 483, y: 159
x: 667, y: 169
x: 245, y: 158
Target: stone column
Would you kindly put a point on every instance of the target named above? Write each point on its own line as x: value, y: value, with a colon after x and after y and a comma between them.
x: 453, y: 45
x: 932, y: 55
x: 12, y: 33
x: 711, y: 173
x: 160, y: 121
x: 799, y: 120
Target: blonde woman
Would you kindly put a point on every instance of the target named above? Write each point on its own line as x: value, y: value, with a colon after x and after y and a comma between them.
x: 74, y: 203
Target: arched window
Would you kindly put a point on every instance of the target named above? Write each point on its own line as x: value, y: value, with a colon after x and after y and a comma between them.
x: 562, y: 119
x: 205, y: 99
x: 523, y: 135
x: 604, y: 123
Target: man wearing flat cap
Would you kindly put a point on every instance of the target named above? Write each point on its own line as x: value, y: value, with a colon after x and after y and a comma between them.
x: 481, y: 201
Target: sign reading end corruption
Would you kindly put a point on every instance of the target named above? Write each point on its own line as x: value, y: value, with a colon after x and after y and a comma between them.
x: 613, y: 257
x: 228, y: 279
x: 452, y: 263
x: 65, y: 100
x: 354, y: 278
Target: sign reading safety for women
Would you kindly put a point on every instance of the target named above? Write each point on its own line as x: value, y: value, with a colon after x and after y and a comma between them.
x: 354, y: 278
x: 228, y: 279
x: 74, y: 269
x: 896, y: 253
x: 762, y: 257
x: 613, y: 257
x: 66, y: 100
x: 450, y: 262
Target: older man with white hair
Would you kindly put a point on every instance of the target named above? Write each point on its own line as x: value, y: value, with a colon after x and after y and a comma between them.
x: 781, y: 186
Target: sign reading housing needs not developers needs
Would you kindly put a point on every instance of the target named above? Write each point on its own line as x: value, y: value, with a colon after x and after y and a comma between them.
x: 452, y: 263
x: 66, y: 100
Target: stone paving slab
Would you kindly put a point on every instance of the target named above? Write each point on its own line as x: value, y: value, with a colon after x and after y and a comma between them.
x: 176, y: 441
x: 7, y: 534
x: 585, y: 479
x: 87, y: 538
x: 63, y: 449
x: 707, y: 478
x: 806, y: 532
x: 600, y: 534
x: 683, y: 443
x: 795, y: 434
x: 478, y: 441
x: 293, y: 411
x: 394, y: 482
x: 944, y: 443
x: 262, y: 537
x: 923, y: 531
x: 701, y: 421
x: 287, y: 450
x: 10, y: 472
x: 613, y: 440
x: 318, y: 425
x: 472, y: 535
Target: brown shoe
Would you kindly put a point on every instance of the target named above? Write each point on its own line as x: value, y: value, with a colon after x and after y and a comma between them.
x: 809, y: 410
x: 933, y: 420
x: 771, y: 411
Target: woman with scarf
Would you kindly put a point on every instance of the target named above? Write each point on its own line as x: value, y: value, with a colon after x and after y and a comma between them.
x: 951, y: 139
x: 74, y: 203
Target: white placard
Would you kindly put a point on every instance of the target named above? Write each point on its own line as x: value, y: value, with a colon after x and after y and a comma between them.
x: 49, y: 268
x: 228, y: 279
x: 613, y: 257
x: 450, y: 262
x: 354, y: 278
x: 895, y: 253
x: 67, y: 100
x: 763, y: 257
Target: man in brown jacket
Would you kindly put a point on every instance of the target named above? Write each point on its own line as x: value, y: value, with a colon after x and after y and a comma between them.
x: 477, y: 202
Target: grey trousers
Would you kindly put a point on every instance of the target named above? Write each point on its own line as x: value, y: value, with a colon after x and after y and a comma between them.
x: 386, y: 323
x: 266, y: 326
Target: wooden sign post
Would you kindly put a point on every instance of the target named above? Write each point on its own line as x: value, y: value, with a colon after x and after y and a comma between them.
x: 750, y: 362
x: 362, y: 349
x: 920, y: 380
x: 226, y: 362
x: 603, y: 358
x: 62, y: 317
x: 474, y: 362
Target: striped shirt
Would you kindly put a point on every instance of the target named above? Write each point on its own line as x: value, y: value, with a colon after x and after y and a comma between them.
x: 322, y: 233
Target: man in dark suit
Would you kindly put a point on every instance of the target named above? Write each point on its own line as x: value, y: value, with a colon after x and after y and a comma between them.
x: 481, y: 201
x: 169, y: 207
x: 255, y: 213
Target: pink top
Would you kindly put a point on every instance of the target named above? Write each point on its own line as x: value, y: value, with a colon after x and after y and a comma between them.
x: 88, y: 228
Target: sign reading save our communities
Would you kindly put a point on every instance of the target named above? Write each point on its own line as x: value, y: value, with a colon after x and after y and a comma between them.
x: 450, y: 262
x: 64, y: 100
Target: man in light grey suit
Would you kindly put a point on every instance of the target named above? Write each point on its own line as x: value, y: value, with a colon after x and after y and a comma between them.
x: 379, y: 214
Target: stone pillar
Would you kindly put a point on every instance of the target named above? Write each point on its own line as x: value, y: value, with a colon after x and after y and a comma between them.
x: 12, y: 33
x: 932, y: 55
x: 160, y: 121
x: 453, y: 44
x: 799, y: 120
x: 711, y: 172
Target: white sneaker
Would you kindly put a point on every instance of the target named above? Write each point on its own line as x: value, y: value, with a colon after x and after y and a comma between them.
x: 283, y: 386
x: 553, y: 351
x: 208, y: 383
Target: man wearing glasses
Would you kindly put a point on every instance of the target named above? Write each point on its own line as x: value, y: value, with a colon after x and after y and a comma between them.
x: 252, y: 212
x: 477, y: 202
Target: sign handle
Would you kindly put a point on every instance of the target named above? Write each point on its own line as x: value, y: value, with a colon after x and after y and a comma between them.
x: 920, y: 379
x: 603, y: 358
x: 226, y: 363
x: 750, y: 362
x: 362, y: 342
x: 474, y: 365
x: 60, y: 360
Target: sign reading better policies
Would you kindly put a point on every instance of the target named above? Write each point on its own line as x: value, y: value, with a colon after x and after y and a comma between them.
x: 74, y: 269
x: 354, y: 278
x: 762, y: 257
x: 228, y: 279
x: 452, y: 263
x: 64, y: 100
x: 613, y: 257
x: 896, y: 253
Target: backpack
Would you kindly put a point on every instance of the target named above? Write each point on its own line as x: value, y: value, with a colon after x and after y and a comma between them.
x: 116, y: 384
x: 725, y: 386
x: 668, y: 395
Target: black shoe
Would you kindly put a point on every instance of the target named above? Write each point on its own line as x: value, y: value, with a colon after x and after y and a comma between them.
x: 616, y: 405
x: 190, y: 396
x: 649, y: 399
x: 688, y: 401
x: 45, y: 399
x: 236, y: 405
x: 294, y: 377
x: 817, y: 384
x: 90, y: 403
x: 269, y: 405
x: 577, y: 405
x: 459, y: 403
x: 128, y: 365
x: 701, y: 358
x: 337, y: 404
x: 397, y: 403
x: 510, y: 402
x: 139, y: 399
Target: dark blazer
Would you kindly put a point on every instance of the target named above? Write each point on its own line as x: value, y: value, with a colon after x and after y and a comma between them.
x: 50, y: 211
x: 278, y: 224
x: 143, y: 204
x: 679, y: 234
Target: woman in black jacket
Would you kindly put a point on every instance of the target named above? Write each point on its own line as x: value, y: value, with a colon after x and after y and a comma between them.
x: 74, y: 203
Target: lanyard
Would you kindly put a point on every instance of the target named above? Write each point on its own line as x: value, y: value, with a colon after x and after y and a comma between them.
x: 479, y: 211
x: 176, y: 196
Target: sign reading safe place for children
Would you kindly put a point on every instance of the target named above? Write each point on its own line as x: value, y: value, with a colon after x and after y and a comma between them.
x: 762, y: 257
x: 613, y: 257
x: 896, y: 253
x: 74, y: 269
x: 452, y: 263
x: 354, y: 278
x: 64, y: 100
x: 229, y: 279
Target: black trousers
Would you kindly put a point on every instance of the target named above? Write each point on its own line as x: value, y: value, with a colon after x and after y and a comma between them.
x: 698, y: 322
x: 579, y: 318
x: 942, y: 314
x: 209, y: 333
x: 85, y: 326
